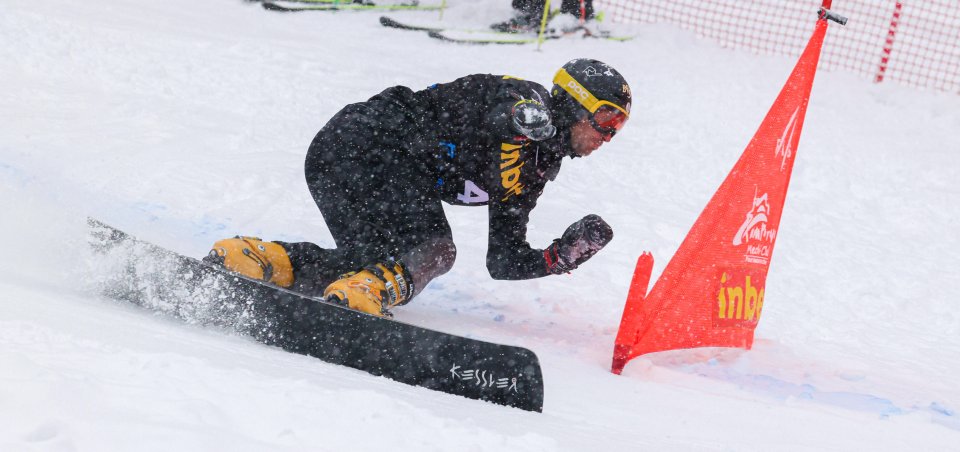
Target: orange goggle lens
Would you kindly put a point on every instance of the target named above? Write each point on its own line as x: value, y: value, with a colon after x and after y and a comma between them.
x: 608, y: 120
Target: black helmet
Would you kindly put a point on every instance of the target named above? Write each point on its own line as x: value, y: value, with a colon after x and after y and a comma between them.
x: 586, y: 88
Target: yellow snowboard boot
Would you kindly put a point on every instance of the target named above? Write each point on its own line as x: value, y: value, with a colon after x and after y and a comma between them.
x: 373, y: 290
x: 250, y: 256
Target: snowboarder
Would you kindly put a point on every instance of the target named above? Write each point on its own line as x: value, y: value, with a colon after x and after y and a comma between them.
x: 529, y: 14
x: 379, y: 170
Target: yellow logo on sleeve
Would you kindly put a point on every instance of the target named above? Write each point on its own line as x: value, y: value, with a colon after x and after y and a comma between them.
x: 510, y: 170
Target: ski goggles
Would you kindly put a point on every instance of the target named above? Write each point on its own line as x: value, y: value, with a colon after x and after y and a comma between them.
x: 605, y: 116
x: 608, y: 120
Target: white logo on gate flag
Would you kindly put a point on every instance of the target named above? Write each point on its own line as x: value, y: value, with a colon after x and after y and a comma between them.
x: 755, y: 234
x: 785, y: 141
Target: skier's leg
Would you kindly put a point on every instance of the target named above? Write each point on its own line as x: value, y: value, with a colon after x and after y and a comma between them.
x: 429, y: 260
x: 343, y: 183
x: 383, y: 284
x: 413, y: 244
x: 529, y: 7
x: 582, y: 9
x: 528, y: 14
x: 377, y: 201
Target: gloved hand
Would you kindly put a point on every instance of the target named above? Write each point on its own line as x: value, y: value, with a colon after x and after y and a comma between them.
x: 532, y: 120
x: 579, y: 242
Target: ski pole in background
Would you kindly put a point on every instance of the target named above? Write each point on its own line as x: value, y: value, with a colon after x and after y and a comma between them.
x: 543, y: 24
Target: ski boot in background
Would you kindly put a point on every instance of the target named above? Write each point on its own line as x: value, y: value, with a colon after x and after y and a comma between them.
x: 521, y: 23
x: 562, y: 25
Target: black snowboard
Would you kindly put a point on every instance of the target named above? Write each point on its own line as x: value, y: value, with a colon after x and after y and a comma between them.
x: 161, y: 280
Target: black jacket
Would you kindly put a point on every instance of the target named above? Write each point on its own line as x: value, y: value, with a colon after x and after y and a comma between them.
x: 460, y: 133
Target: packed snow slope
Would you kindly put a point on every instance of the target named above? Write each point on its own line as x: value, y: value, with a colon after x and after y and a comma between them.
x: 187, y: 121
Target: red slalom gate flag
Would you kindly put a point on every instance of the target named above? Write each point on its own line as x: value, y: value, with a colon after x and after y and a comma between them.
x: 711, y: 293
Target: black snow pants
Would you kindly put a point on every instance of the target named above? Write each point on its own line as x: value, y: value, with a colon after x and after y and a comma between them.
x: 535, y: 7
x: 376, y: 193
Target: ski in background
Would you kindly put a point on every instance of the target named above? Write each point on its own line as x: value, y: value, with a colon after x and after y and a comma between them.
x: 473, y: 37
x: 325, y: 2
x: 163, y: 281
x: 393, y: 23
x: 489, y: 38
x: 482, y: 36
x: 296, y: 5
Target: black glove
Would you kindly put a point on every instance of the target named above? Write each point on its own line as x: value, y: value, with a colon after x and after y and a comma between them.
x: 532, y: 120
x: 579, y: 242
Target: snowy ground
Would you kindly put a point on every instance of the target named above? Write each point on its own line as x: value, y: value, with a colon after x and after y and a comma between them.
x: 187, y: 121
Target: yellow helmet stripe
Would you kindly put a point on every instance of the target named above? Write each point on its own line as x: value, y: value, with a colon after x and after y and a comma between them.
x: 581, y: 94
